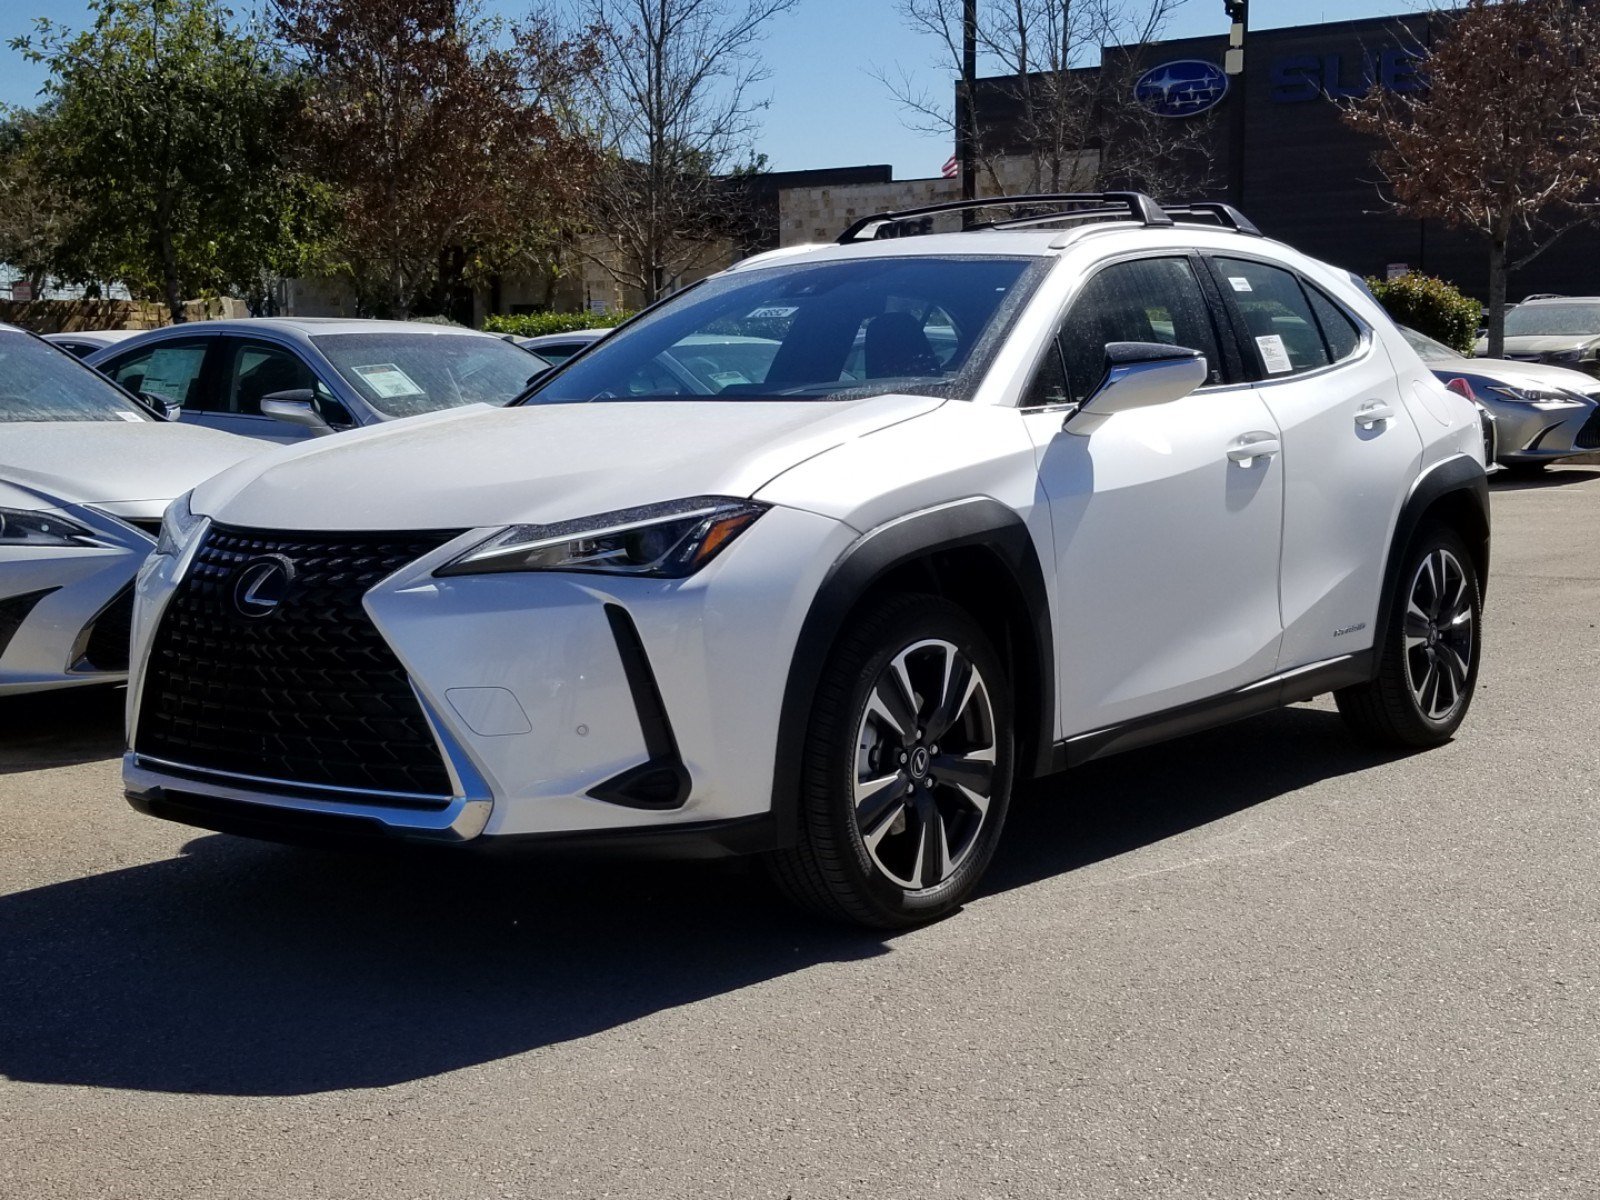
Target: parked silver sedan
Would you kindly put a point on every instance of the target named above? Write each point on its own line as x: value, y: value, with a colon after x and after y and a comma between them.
x: 85, y: 474
x: 285, y: 379
x: 1542, y: 413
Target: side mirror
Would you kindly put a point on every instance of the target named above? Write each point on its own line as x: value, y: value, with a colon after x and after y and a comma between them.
x: 165, y: 409
x: 1142, y: 374
x: 297, y: 406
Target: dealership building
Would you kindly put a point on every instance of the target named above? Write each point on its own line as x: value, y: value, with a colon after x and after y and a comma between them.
x: 1308, y: 179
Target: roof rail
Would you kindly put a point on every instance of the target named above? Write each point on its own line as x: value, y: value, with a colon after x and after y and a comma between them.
x: 1135, y: 205
x: 1225, y: 215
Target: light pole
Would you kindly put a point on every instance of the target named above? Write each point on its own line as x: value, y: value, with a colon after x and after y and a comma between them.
x: 966, y: 114
x: 1233, y: 66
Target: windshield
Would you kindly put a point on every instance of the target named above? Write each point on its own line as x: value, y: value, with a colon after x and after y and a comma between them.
x: 829, y: 330
x: 1553, y: 320
x: 1427, y: 349
x: 402, y: 374
x: 40, y: 382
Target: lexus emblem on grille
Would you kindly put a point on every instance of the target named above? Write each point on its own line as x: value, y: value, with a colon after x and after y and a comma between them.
x: 261, y: 585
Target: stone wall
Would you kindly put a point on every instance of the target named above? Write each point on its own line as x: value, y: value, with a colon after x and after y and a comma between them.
x: 73, y: 316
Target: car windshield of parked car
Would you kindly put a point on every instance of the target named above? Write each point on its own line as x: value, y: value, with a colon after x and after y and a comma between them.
x: 403, y: 374
x: 1553, y: 320
x: 1428, y: 350
x: 40, y: 382
x: 830, y: 330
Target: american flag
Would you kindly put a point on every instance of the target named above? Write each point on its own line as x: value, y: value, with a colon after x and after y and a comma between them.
x: 951, y: 168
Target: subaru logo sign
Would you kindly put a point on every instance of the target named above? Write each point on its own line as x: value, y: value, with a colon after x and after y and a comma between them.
x: 261, y: 585
x: 1185, y: 88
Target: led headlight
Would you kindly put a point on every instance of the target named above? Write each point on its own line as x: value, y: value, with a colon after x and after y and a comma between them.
x: 659, y: 541
x: 1537, y: 396
x: 178, y: 525
x: 25, y: 527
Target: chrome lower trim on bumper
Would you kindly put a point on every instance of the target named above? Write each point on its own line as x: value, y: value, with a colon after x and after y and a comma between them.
x: 148, y: 783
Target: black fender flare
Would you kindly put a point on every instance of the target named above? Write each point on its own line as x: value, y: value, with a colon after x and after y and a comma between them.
x: 976, y: 521
x: 1462, y: 475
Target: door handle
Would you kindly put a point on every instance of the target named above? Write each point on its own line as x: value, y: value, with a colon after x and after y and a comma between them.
x: 1372, y: 413
x: 1250, y: 446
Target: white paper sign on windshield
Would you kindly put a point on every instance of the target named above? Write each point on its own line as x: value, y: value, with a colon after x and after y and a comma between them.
x: 1273, y: 355
x: 388, y: 381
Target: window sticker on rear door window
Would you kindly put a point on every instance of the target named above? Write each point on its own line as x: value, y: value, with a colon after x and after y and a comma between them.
x: 388, y: 381
x: 1273, y: 354
x: 1240, y: 283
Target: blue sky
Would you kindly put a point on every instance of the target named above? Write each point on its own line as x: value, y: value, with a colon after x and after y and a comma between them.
x: 826, y: 107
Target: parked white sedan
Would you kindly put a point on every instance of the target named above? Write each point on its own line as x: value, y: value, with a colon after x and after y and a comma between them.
x: 85, y: 474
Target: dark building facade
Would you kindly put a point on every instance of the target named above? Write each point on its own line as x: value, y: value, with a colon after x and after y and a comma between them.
x: 1309, y: 179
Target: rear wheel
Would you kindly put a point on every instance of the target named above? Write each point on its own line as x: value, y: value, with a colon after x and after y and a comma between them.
x: 907, y: 773
x: 1428, y: 668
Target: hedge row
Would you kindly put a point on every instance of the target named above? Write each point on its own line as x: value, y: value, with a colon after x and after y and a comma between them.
x: 1431, y: 306
x: 539, y: 324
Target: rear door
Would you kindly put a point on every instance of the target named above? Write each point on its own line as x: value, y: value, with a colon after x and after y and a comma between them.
x: 1167, y: 535
x: 1349, y: 451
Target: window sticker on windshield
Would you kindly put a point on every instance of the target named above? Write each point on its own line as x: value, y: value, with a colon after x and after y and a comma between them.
x: 128, y: 416
x: 1273, y: 355
x: 388, y: 381
x: 1240, y: 283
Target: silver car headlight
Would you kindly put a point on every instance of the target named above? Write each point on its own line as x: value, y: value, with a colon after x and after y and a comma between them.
x: 659, y: 541
x: 26, y: 527
x: 1537, y: 396
x: 178, y: 526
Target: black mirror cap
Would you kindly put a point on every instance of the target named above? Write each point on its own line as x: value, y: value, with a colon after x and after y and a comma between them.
x: 1124, y: 354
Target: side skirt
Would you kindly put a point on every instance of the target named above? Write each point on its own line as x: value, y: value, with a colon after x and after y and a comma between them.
x: 1275, y: 691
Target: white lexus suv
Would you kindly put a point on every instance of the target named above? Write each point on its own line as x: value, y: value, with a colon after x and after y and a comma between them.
x: 820, y: 557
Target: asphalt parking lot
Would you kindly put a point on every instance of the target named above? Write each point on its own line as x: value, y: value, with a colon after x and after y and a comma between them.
x: 1258, y: 962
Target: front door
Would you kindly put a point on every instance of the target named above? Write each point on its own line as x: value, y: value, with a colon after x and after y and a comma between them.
x: 1167, y: 528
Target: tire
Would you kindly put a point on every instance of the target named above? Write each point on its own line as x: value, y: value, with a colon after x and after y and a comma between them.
x: 883, y: 840
x: 1428, y: 667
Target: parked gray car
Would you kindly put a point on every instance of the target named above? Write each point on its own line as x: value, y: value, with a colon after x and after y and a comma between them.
x: 284, y: 379
x: 1542, y: 413
x: 1561, y: 331
x: 85, y: 474
x: 556, y: 348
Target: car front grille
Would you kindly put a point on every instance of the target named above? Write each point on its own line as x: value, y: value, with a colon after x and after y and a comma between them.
x: 308, y: 694
x: 1588, y: 437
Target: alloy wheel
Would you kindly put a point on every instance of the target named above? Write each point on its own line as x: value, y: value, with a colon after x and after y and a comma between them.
x: 1439, y: 634
x: 925, y: 764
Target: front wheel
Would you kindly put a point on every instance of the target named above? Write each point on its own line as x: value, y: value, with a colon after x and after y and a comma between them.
x: 907, y: 773
x: 1428, y: 666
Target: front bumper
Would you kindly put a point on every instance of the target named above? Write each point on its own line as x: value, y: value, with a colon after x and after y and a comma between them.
x: 65, y: 611
x: 1528, y: 433
x: 537, y: 712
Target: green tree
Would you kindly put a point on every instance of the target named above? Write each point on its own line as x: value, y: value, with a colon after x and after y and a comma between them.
x: 163, y: 141
x: 33, y: 219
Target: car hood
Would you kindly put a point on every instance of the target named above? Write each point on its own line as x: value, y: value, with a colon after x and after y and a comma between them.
x: 480, y: 466
x: 1540, y: 344
x: 114, y: 462
x: 1521, y: 374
